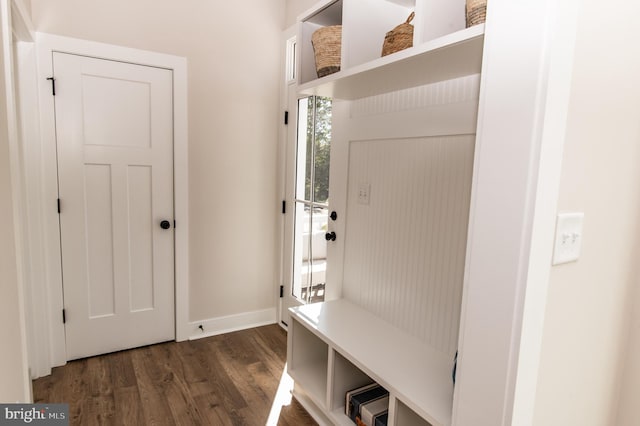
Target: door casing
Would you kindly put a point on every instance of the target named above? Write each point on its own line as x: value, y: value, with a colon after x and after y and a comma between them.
x: 51, y: 290
x: 337, y: 189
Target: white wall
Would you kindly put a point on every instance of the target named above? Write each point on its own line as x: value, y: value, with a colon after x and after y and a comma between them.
x: 295, y: 8
x: 588, y: 309
x: 232, y: 50
x: 14, y: 379
x: 27, y: 5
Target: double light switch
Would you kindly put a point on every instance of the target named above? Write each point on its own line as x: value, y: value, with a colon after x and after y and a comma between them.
x: 568, y: 238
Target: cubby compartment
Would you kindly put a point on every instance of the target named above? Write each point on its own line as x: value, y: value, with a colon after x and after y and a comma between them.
x: 328, y: 14
x: 405, y: 416
x: 308, y: 361
x: 438, y: 18
x: 344, y: 377
x: 408, y: 369
x: 367, y: 23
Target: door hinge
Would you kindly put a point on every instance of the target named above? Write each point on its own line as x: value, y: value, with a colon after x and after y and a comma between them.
x: 53, y: 85
x: 64, y: 316
x: 286, y: 118
x: 174, y: 224
x: 281, y: 291
x: 58, y: 205
x: 284, y: 207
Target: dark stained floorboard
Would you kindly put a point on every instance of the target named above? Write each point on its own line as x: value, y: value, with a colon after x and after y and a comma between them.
x: 229, y: 379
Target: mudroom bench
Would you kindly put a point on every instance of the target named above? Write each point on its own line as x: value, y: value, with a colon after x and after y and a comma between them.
x: 336, y: 346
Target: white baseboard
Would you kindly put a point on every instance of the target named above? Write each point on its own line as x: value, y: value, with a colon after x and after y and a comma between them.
x: 228, y: 324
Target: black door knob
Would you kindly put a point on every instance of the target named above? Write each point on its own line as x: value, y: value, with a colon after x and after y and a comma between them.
x: 165, y: 224
x: 333, y: 215
x: 330, y: 236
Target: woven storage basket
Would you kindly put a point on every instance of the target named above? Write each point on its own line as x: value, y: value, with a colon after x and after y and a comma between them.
x: 327, y: 47
x: 476, y: 12
x: 399, y: 38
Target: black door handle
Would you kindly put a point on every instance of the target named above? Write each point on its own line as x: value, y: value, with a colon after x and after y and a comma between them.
x: 330, y: 236
x: 165, y: 224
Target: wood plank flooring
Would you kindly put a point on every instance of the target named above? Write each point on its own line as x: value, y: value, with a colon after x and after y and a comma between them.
x: 229, y: 379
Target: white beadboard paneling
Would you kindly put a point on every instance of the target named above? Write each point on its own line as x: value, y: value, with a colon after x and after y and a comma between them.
x: 459, y: 90
x: 405, y: 250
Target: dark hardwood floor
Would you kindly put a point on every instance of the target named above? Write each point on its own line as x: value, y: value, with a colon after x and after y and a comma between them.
x: 231, y: 379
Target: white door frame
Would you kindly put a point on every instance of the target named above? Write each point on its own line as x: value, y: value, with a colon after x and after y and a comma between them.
x: 46, y: 44
x: 15, y: 26
x: 287, y: 147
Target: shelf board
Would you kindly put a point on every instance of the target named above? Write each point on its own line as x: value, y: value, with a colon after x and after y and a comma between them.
x: 415, y: 373
x: 451, y: 56
x: 340, y: 418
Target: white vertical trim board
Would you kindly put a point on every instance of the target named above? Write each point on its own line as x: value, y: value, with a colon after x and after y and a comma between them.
x: 7, y: 24
x: 46, y: 45
x: 509, y: 225
x: 553, y: 134
x: 36, y: 308
x: 285, y: 174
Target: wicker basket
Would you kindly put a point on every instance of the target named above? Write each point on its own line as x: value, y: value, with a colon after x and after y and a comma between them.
x: 476, y: 12
x: 327, y: 47
x: 399, y: 38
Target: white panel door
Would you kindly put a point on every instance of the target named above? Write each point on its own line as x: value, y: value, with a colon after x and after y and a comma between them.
x: 114, y: 128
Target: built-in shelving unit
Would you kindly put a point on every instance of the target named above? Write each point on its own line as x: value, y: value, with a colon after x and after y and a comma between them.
x: 443, y: 48
x: 500, y: 112
x: 445, y: 58
x: 337, y: 346
x: 355, y: 347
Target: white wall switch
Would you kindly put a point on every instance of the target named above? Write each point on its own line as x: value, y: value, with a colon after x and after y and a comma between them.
x: 568, y: 238
x: 363, y: 192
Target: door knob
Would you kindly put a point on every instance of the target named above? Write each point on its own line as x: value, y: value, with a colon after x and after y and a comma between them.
x: 165, y: 224
x: 330, y: 236
x: 333, y: 215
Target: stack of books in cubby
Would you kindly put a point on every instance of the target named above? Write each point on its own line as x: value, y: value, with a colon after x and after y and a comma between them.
x: 368, y: 405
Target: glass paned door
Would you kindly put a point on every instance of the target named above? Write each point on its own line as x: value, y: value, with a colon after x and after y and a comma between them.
x: 313, y: 158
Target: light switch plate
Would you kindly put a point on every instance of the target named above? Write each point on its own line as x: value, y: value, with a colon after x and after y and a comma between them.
x: 568, y: 238
x: 363, y: 193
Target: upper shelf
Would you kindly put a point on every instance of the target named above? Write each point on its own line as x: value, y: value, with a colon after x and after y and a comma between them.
x: 444, y: 58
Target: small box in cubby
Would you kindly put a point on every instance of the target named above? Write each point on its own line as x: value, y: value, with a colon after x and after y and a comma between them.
x: 365, y: 402
x: 375, y: 412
